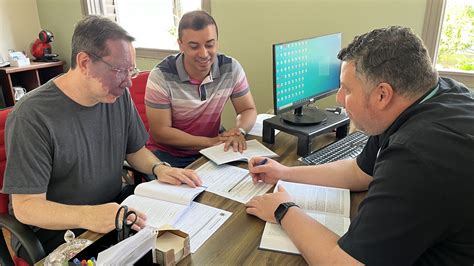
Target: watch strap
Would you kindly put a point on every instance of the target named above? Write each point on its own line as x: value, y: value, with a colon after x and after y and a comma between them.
x: 156, y: 165
x: 242, y: 131
x: 282, y: 209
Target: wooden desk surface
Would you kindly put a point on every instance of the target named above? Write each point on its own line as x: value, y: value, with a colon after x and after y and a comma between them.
x: 31, y: 66
x: 237, y: 240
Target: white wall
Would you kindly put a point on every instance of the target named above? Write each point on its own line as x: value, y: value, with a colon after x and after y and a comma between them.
x: 248, y: 28
x: 19, y: 25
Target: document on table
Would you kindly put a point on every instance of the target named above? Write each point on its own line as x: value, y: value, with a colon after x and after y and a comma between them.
x: 257, y: 129
x: 230, y: 182
x: 275, y: 238
x: 329, y: 206
x: 200, y: 222
x: 254, y: 148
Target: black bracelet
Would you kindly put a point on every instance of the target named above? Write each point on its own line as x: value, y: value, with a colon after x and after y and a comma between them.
x: 156, y: 165
x: 282, y: 209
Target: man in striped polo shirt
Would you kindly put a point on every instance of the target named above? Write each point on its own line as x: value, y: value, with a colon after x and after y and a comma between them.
x: 186, y: 94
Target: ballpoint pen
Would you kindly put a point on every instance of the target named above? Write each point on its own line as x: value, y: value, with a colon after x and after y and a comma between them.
x: 262, y: 162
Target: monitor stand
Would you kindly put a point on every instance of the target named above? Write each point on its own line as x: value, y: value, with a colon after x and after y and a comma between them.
x: 305, y: 134
x: 304, y: 117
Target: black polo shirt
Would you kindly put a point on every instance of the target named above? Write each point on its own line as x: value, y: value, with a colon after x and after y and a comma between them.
x: 419, y: 206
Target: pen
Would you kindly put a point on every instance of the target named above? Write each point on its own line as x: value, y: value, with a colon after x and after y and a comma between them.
x: 262, y: 162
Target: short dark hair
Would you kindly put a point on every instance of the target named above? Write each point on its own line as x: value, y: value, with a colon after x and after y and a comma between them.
x: 195, y: 20
x: 91, y: 35
x: 395, y: 55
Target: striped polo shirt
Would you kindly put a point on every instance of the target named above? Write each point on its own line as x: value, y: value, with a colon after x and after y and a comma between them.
x: 195, y: 108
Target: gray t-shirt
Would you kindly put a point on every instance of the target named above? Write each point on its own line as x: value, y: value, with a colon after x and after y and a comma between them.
x: 72, y: 153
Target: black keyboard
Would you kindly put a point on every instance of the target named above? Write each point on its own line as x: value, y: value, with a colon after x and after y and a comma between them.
x: 348, y: 147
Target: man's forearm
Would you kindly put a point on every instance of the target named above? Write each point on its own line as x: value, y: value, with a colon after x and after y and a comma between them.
x: 35, y: 210
x: 50, y: 215
x: 180, y: 139
x: 246, y: 119
x: 317, y: 243
x: 341, y: 174
x: 142, y: 160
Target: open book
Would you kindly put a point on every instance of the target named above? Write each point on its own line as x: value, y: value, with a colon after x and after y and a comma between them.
x: 329, y: 206
x: 162, y: 203
x: 219, y: 156
x: 166, y: 204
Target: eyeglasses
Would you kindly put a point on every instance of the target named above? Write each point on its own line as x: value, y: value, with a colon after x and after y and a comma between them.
x: 119, y: 73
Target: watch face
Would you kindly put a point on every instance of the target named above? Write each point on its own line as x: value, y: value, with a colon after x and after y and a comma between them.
x: 282, y: 210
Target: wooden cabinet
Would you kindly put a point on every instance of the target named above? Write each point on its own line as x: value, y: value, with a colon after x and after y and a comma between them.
x: 28, y: 77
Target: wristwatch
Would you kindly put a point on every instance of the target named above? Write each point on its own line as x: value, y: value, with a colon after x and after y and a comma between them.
x: 156, y: 165
x: 282, y: 209
x: 242, y: 131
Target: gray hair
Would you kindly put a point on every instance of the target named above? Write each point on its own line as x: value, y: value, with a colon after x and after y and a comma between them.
x: 91, y: 35
x: 394, y: 55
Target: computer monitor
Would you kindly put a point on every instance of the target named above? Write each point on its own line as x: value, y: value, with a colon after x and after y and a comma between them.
x: 304, y: 71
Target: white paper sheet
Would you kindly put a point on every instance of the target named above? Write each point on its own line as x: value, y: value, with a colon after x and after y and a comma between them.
x: 254, y: 148
x: 158, y: 212
x: 200, y: 222
x: 257, y: 129
x: 182, y: 194
x: 275, y: 238
x: 230, y: 182
x: 129, y: 250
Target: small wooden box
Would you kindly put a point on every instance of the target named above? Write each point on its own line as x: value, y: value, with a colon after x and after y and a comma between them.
x: 171, y: 246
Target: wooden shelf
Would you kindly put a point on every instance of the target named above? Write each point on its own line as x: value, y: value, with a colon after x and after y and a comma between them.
x: 29, y: 77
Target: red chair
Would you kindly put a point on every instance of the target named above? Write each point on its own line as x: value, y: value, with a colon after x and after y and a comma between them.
x: 137, y: 92
x: 8, y: 223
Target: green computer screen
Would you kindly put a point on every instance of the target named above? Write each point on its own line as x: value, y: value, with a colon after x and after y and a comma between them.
x: 304, y: 70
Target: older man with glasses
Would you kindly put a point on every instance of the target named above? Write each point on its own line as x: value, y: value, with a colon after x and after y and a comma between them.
x: 67, y: 140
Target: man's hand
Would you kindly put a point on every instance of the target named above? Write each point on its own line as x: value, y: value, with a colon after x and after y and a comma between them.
x: 233, y: 137
x: 264, y: 206
x: 178, y: 176
x: 269, y: 173
x: 103, y: 218
x: 216, y: 140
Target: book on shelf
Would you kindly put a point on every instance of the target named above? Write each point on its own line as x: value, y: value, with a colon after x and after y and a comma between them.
x: 329, y: 206
x: 219, y: 156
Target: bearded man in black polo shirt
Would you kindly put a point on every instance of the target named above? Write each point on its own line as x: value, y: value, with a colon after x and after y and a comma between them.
x: 417, y: 166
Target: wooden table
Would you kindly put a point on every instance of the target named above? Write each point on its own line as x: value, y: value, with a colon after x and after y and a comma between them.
x: 237, y: 240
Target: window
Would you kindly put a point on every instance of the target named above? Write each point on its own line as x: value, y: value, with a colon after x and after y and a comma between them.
x: 449, y: 35
x: 456, y: 45
x: 154, y: 23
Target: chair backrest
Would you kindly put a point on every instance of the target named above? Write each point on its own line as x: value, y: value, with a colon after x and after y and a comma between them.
x: 137, y: 92
x: 3, y: 158
x: 4, y: 197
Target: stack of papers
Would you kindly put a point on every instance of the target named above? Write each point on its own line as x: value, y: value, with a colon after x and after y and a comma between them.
x: 257, y: 129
